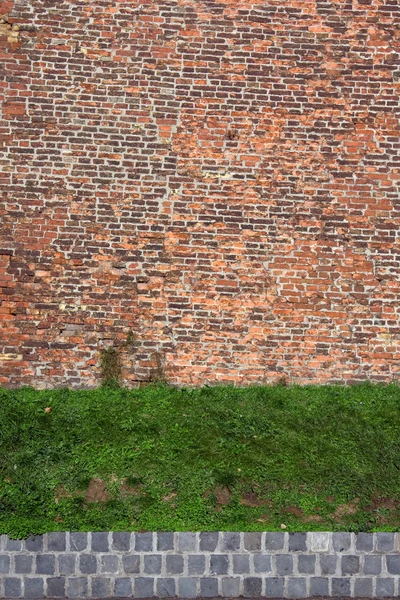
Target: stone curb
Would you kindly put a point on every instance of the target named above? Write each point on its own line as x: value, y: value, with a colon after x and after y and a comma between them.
x: 206, y: 565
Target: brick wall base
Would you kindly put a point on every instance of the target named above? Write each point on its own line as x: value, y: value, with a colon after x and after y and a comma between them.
x: 208, y: 565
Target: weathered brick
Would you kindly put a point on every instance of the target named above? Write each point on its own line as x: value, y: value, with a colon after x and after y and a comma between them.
x: 242, y: 181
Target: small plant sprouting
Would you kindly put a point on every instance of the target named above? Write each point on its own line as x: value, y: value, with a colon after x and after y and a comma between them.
x: 110, y: 365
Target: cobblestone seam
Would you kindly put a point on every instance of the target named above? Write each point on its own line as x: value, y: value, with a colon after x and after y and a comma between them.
x: 206, y: 564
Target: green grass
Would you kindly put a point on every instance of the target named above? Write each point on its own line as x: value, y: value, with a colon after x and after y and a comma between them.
x: 311, y: 458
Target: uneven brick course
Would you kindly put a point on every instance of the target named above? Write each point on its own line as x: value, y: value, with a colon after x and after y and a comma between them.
x: 250, y: 568
x: 219, y: 177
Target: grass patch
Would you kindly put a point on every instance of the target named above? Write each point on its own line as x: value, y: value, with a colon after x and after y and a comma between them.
x: 214, y: 458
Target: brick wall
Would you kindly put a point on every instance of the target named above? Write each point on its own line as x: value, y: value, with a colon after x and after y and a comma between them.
x: 218, y: 177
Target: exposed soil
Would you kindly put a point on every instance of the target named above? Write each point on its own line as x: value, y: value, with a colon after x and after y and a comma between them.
x: 97, y: 491
x: 251, y: 499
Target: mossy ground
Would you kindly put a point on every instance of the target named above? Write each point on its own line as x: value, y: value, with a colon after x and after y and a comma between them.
x: 214, y: 458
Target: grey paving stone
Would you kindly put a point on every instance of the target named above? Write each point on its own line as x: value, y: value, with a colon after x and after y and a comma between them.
x: 22, y: 563
x: 262, y: 563
x: 109, y: 563
x: 241, y: 563
x: 364, y: 542
x: 350, y: 564
x: 131, y: 563
x: 318, y: 541
x: 252, y: 541
x: 123, y: 587
x: 56, y: 541
x: 143, y: 587
x: 274, y: 587
x: 5, y: 563
x: 372, y: 564
x: 363, y: 587
x: 208, y: 541
x: 186, y: 541
x: 121, y: 541
x: 165, y: 587
x: 296, y: 587
x: 66, y: 564
x: 219, y: 564
x: 297, y: 542
x: 306, y: 563
x: 284, y: 564
x: 196, y: 564
x: 208, y: 587
x: 230, y: 587
x: 174, y: 564
x: 340, y: 586
x: 384, y: 587
x: 100, y: 541
x: 252, y: 587
x: 55, y: 587
x: 393, y: 564
x: 144, y: 542
x: 165, y: 540
x: 152, y: 564
x: 34, y: 587
x: 78, y: 541
x: 12, y: 587
x: 341, y: 541
x: 384, y: 541
x: 77, y: 587
x: 319, y: 586
x: 187, y: 587
x: 230, y: 541
x: 101, y: 587
x: 12, y: 545
x: 328, y: 564
x: 88, y: 564
x: 45, y: 564
x: 34, y: 543
x: 274, y: 540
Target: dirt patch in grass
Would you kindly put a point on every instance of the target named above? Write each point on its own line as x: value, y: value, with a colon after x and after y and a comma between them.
x: 97, y: 491
x: 251, y: 499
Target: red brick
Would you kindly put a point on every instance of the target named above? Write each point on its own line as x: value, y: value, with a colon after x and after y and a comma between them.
x: 222, y: 182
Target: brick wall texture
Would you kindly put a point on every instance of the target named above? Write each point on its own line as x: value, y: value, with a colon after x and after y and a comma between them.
x: 218, y: 177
